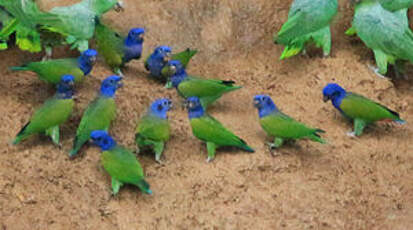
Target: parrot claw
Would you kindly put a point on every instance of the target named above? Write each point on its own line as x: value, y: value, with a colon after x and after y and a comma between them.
x: 376, y: 71
x: 351, y: 134
x: 209, y: 159
x: 48, y: 54
x: 158, y: 160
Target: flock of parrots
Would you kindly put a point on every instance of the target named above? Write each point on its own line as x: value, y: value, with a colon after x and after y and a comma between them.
x: 381, y: 24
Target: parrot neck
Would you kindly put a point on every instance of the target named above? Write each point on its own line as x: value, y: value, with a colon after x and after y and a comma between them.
x: 130, y: 41
x: 196, y: 112
x: 267, y: 110
x: 107, y: 91
x: 84, y: 65
x: 178, y: 77
x: 158, y: 113
x: 337, y: 98
x: 63, y: 92
x: 108, y: 144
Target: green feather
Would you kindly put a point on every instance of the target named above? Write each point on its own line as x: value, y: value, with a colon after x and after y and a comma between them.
x: 98, y: 116
x: 395, y: 5
x: 386, y: 33
x: 208, y: 90
x: 110, y: 45
x: 307, y: 20
x: 208, y: 129
x: 51, y: 71
x: 53, y: 113
x: 123, y: 166
x: 356, y: 106
x: 153, y: 132
x: 282, y: 126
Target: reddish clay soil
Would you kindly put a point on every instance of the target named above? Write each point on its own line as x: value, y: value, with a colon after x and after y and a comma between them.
x: 362, y: 183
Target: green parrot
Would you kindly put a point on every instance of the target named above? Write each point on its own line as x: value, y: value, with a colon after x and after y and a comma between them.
x: 211, y: 131
x: 120, y: 163
x: 395, y: 5
x: 116, y: 49
x: 77, y: 21
x: 156, y: 63
x: 281, y: 126
x: 208, y: 90
x: 386, y: 33
x: 49, y: 71
x: 308, y: 20
x: 25, y: 22
x: 361, y: 110
x: 153, y: 130
x: 53, y: 113
x: 99, y: 114
x: 6, y: 27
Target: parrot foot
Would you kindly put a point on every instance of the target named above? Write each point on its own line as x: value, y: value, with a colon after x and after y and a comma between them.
x: 351, y: 134
x: 48, y: 53
x: 209, y: 159
x: 158, y: 160
x: 272, y: 148
x: 376, y: 71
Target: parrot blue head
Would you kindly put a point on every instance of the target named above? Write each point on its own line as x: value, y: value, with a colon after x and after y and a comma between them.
x: 102, y: 139
x: 110, y: 85
x: 160, y: 107
x: 135, y: 36
x: 65, y: 87
x: 86, y: 60
x: 178, y: 72
x: 194, y: 106
x: 335, y: 93
x: 265, y: 105
x: 162, y: 53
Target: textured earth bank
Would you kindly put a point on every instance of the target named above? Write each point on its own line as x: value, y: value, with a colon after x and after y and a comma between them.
x: 364, y: 183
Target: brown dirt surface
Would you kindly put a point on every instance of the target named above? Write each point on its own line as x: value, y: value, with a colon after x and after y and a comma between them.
x: 363, y: 183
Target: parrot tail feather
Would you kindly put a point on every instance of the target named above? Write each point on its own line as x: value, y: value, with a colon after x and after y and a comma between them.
x: 144, y: 186
x: 21, y: 135
x: 316, y: 137
x: 290, y: 51
x: 19, y: 68
x: 245, y: 147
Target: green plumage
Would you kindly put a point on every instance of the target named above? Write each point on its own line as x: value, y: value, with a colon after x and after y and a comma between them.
x: 153, y: 132
x: 184, y: 57
x: 208, y: 90
x: 110, y: 46
x: 282, y: 127
x: 124, y: 168
x: 395, y: 5
x: 364, y: 111
x: 77, y: 21
x: 51, y: 71
x: 27, y: 18
x: 47, y: 119
x: 211, y: 131
x: 97, y: 116
x: 386, y: 33
x: 308, y: 20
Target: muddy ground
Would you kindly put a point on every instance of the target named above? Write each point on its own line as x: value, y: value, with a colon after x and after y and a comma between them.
x: 362, y: 183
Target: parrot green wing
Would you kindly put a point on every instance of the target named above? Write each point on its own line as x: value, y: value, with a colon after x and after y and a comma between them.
x: 357, y: 106
x: 52, y: 71
x: 122, y: 165
x: 282, y: 126
x: 97, y: 116
x: 208, y: 90
x: 395, y: 5
x: 53, y: 113
x: 386, y: 33
x: 305, y: 17
x: 185, y: 56
x: 208, y: 129
x: 153, y: 128
x: 109, y: 45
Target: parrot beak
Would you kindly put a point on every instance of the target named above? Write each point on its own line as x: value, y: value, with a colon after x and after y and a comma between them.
x: 71, y: 83
x: 326, y: 98
x: 119, y: 84
x: 141, y: 36
x: 256, y: 104
x: 119, y: 6
x: 93, y: 60
x: 167, y: 57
